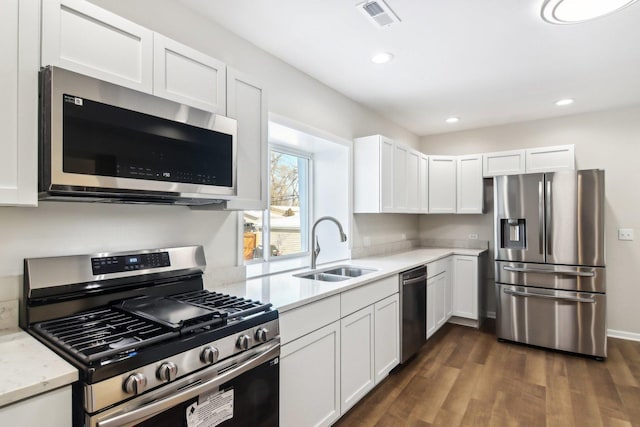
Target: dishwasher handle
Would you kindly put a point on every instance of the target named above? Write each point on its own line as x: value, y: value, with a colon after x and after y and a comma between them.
x: 414, y: 280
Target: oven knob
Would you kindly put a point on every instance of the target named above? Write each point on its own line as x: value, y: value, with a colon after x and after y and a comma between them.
x: 135, y: 383
x: 243, y: 342
x: 167, y: 371
x: 209, y: 355
x: 261, y: 334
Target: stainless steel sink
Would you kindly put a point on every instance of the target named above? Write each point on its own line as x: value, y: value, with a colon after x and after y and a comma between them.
x: 349, y: 271
x: 335, y: 274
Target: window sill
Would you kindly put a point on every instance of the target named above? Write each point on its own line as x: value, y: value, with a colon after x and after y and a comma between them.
x: 280, y: 266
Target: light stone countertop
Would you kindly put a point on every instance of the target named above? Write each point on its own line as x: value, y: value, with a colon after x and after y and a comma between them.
x: 29, y: 368
x: 287, y: 292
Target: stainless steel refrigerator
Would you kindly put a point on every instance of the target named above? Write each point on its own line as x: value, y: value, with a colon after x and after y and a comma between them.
x: 550, y: 260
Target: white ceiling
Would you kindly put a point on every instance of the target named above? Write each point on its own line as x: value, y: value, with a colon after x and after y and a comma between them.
x: 488, y: 62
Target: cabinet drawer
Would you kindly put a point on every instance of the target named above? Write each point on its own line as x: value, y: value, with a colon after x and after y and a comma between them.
x: 303, y: 320
x: 437, y: 267
x: 368, y: 294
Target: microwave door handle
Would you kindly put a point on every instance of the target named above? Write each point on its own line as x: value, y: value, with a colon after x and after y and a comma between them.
x: 560, y: 298
x: 540, y: 217
x: 539, y: 270
x: 159, y: 406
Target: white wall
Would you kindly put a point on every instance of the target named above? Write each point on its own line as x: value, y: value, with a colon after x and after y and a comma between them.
x: 606, y: 140
x: 69, y: 228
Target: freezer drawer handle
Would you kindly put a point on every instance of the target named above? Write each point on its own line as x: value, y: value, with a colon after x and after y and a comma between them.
x: 536, y: 270
x: 530, y: 294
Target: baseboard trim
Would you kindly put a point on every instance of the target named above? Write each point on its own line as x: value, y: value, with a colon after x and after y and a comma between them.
x: 632, y: 336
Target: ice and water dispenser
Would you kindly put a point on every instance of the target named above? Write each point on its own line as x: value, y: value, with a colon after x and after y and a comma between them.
x: 513, y: 233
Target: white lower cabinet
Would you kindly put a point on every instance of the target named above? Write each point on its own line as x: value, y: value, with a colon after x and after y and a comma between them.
x: 53, y: 406
x: 465, y: 286
x: 357, y: 361
x: 310, y: 379
x: 386, y: 336
x: 439, y: 294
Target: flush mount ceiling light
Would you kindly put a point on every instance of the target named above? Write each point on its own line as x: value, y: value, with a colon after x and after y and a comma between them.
x: 564, y: 102
x: 574, y: 11
x: 452, y: 119
x: 381, y: 58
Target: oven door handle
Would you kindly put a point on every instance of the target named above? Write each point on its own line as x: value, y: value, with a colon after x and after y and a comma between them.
x: 152, y: 409
x: 561, y: 298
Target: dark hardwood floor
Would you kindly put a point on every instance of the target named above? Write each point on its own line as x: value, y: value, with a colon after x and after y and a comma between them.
x: 465, y: 377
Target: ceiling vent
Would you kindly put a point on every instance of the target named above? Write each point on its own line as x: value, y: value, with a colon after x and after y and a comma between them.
x: 378, y: 12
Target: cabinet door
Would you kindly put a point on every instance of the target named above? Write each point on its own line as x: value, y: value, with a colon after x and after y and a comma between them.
x: 550, y: 159
x: 503, y: 163
x: 184, y: 75
x: 412, y: 181
x: 442, y: 184
x: 19, y: 43
x: 357, y: 364
x: 423, y: 183
x: 52, y: 409
x: 387, y: 338
x: 246, y: 102
x: 465, y: 286
x: 87, y: 39
x: 448, y: 289
x: 431, y: 306
x: 400, y: 178
x: 439, y: 289
x: 386, y: 175
x: 310, y: 379
x: 470, y: 188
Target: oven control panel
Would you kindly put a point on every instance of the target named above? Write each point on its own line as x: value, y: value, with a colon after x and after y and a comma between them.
x: 126, y: 263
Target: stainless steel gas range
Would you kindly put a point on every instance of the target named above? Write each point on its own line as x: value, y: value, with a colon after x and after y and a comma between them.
x: 152, y: 346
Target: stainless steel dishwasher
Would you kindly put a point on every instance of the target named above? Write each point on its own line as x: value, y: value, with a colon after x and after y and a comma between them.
x: 413, y: 311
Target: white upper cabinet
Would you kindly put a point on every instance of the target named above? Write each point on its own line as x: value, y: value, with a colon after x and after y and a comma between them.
x: 87, y: 39
x: 400, y: 180
x: 19, y: 43
x: 442, y: 184
x: 470, y: 188
x: 423, y: 183
x: 184, y: 75
x: 413, y: 181
x: 246, y: 102
x: 373, y: 174
x: 504, y: 163
x: 550, y: 159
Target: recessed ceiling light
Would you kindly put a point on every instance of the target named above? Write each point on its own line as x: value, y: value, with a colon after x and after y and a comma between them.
x: 564, y: 102
x: 452, y: 119
x: 381, y: 58
x: 574, y: 11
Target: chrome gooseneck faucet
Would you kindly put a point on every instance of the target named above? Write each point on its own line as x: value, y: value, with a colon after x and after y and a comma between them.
x: 315, y: 245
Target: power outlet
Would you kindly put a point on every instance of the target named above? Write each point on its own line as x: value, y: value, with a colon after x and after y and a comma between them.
x: 625, y: 233
x: 473, y: 236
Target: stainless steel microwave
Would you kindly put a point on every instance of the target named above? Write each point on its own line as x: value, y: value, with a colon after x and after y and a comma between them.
x: 105, y: 143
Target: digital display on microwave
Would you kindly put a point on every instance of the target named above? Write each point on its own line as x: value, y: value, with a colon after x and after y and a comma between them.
x: 104, y: 140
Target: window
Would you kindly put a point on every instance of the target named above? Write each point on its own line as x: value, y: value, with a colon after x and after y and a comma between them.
x: 283, y: 229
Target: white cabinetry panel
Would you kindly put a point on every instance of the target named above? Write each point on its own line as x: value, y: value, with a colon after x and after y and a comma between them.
x: 357, y: 364
x: 470, y: 188
x: 387, y: 336
x: 504, y: 163
x: 400, y: 183
x: 184, y: 75
x: 550, y: 159
x: 85, y: 38
x: 19, y: 42
x: 246, y: 102
x: 373, y: 174
x: 51, y: 409
x: 413, y: 181
x: 465, y: 286
x: 442, y: 184
x: 423, y: 184
x: 310, y: 379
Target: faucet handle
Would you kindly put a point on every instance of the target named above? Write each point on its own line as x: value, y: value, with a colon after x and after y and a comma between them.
x: 316, y: 250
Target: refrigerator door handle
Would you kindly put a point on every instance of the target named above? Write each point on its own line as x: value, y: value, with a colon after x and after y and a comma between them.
x: 540, y: 218
x: 549, y: 204
x: 539, y: 270
x: 561, y: 298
